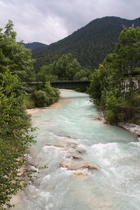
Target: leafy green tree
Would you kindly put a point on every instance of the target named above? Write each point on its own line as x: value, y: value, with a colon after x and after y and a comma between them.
x: 128, y: 51
x: 105, y: 90
x: 52, y: 93
x: 14, y: 136
x: 45, y: 74
x: 15, y: 126
x: 83, y: 74
x: 15, y: 55
x: 107, y: 82
x: 66, y: 67
x: 104, y: 79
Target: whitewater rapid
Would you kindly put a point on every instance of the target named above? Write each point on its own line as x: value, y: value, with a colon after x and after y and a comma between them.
x: 70, y: 132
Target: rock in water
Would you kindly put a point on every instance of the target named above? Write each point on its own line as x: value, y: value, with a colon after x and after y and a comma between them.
x: 80, y: 173
x: 75, y: 165
x: 75, y: 157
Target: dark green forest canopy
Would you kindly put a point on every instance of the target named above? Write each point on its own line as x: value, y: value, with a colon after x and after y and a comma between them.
x: 34, y: 45
x: 89, y: 45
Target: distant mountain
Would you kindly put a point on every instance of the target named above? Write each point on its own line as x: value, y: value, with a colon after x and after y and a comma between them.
x: 89, y: 45
x: 35, y: 46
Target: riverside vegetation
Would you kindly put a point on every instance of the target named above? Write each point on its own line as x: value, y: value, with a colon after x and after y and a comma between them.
x: 15, y: 130
x: 114, y: 85
x: 16, y: 66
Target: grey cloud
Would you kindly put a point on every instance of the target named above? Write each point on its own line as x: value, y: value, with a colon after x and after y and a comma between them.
x: 51, y: 20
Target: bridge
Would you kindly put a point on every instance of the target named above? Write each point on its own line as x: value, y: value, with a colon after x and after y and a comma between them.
x: 71, y: 84
x: 66, y: 84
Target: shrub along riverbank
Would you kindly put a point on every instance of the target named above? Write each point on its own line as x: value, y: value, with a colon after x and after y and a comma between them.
x: 43, y: 95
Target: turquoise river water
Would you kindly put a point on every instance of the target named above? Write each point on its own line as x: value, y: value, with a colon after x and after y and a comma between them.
x: 66, y: 132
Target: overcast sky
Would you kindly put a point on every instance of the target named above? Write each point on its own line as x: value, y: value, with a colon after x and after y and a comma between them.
x: 48, y: 21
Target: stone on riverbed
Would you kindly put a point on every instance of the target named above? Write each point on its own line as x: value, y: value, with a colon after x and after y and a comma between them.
x: 81, y: 151
x: 75, y: 165
x: 75, y: 157
x: 72, y: 145
x: 80, y: 173
x: 133, y: 128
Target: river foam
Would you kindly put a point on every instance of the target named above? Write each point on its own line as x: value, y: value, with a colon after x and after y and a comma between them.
x: 70, y: 133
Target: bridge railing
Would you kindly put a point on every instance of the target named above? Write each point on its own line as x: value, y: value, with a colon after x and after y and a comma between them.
x: 65, y: 84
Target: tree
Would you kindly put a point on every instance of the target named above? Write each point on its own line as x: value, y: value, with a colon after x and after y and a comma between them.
x: 83, y: 74
x: 14, y: 136
x: 107, y: 82
x: 65, y: 68
x: 15, y: 128
x: 15, y: 55
x: 45, y: 74
x: 128, y: 51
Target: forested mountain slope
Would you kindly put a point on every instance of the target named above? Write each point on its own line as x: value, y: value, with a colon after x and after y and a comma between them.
x: 34, y: 45
x: 89, y: 45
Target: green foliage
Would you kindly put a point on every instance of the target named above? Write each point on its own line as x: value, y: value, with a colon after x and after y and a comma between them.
x: 51, y: 92
x: 29, y: 102
x: 111, y: 103
x: 128, y: 49
x: 14, y: 136
x: 107, y: 82
x: 45, y: 74
x: 15, y: 55
x: 40, y: 98
x: 15, y: 129
x: 110, y: 116
x: 82, y: 75
x: 65, y: 68
x: 45, y: 96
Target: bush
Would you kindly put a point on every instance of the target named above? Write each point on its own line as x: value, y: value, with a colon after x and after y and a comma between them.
x: 110, y: 116
x: 29, y: 103
x: 45, y: 96
x: 40, y: 98
x: 52, y: 93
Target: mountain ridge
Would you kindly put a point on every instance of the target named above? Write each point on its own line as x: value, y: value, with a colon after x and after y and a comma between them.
x: 89, y: 44
x: 34, y: 45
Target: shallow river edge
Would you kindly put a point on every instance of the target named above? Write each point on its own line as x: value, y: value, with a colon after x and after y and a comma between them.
x: 131, y: 127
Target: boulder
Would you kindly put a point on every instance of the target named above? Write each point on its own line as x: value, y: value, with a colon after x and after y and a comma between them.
x: 80, y: 173
x: 75, y: 165
x: 75, y: 157
x: 81, y: 151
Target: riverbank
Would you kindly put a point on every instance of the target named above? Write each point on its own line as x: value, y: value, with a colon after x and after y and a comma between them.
x: 131, y: 127
x: 60, y: 102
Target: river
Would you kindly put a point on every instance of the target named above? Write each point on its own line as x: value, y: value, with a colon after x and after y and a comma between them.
x: 69, y: 133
